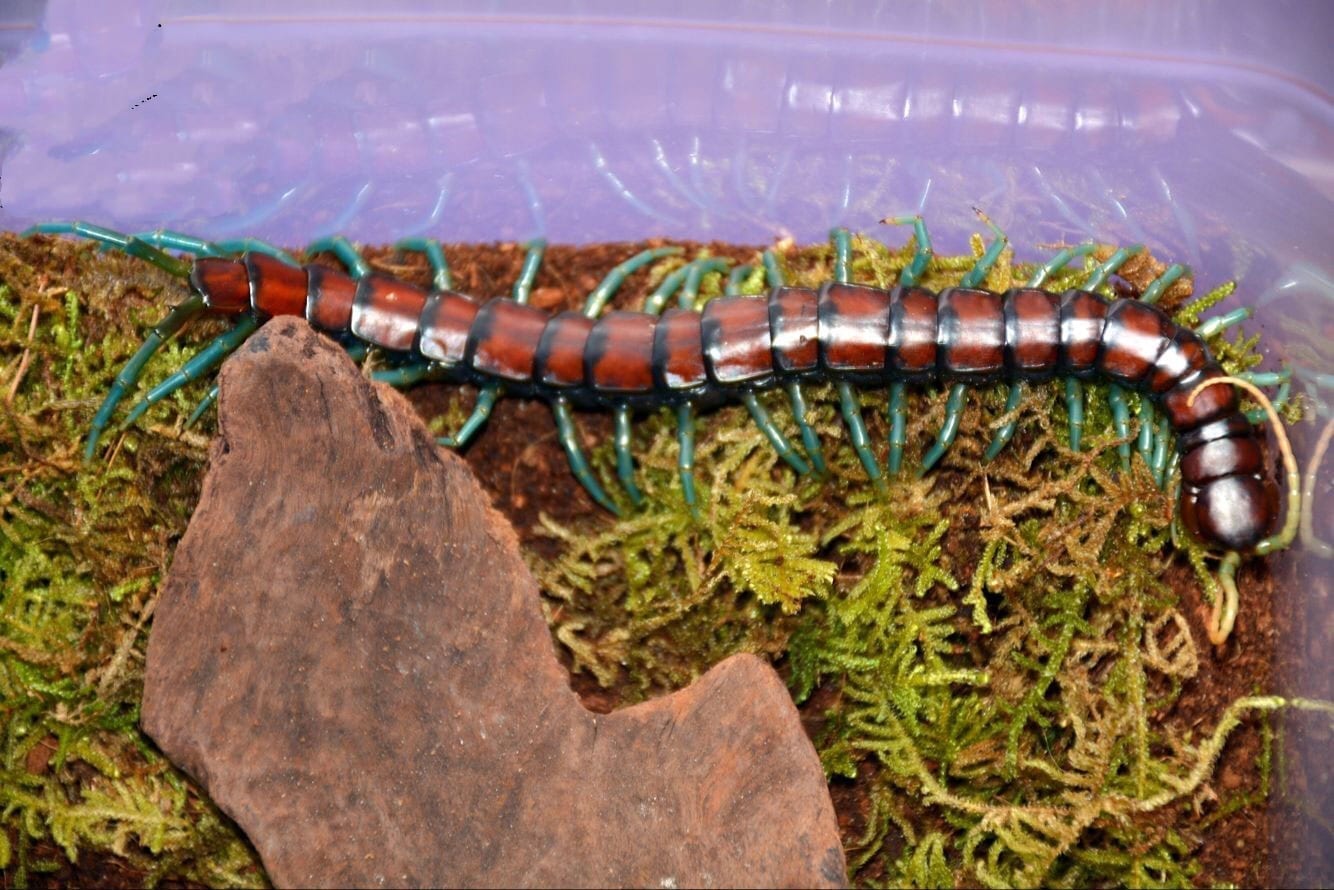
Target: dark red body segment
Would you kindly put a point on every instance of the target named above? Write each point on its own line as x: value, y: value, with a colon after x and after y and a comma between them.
x: 794, y: 327
x: 738, y: 347
x: 275, y: 287
x: 971, y: 334
x: 560, y: 353
x: 854, y: 329
x: 618, y: 357
x: 386, y: 312
x: 1032, y: 333
x: 504, y: 339
x: 445, y: 321
x: 678, y: 351
x: 845, y: 332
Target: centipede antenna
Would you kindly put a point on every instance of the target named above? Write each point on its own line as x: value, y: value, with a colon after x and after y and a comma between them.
x: 237, y: 246
x: 435, y: 258
x: 1159, y: 285
x: 898, y: 426
x: 1005, y: 432
x: 204, y: 404
x: 127, y: 244
x: 168, y: 240
x: 625, y: 462
x: 688, y: 298
x: 199, y: 364
x: 912, y: 273
x: 597, y: 300
x: 736, y: 278
x: 1116, y: 399
x: 1211, y: 326
x: 978, y: 273
x: 569, y: 440
x: 532, y: 262
x: 1111, y: 265
x: 1059, y: 262
x: 1074, y: 406
x: 343, y: 249
x: 774, y: 434
x: 1313, y: 541
x: 842, y: 240
x: 685, y: 461
x: 948, y: 430
x: 773, y: 273
x: 852, y: 416
x: 134, y: 368
x: 481, y: 412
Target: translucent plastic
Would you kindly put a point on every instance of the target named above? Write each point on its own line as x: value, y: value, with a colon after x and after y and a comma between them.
x: 1204, y: 130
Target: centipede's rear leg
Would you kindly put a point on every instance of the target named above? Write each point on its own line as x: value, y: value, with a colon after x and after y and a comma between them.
x: 810, y: 442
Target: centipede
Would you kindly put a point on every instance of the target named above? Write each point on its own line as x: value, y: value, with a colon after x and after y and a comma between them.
x: 699, y: 355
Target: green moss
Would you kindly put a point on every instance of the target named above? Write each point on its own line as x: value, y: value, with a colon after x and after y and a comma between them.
x: 992, y: 650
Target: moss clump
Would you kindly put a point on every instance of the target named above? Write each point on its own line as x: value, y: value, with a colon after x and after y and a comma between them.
x: 997, y: 652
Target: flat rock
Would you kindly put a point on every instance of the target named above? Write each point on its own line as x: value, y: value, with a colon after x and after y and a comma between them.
x: 350, y: 656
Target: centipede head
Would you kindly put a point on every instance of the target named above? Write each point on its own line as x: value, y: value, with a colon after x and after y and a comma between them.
x: 1234, y: 512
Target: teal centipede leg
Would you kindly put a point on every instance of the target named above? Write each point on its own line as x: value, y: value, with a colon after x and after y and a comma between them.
x: 1211, y: 326
x: 625, y: 462
x: 1145, y: 443
x: 688, y: 298
x: 1161, y: 451
x: 1059, y: 262
x: 168, y: 240
x: 403, y: 375
x: 773, y: 273
x: 978, y: 273
x: 1074, y: 404
x: 1110, y: 265
x: 666, y: 289
x: 1116, y: 399
x: 685, y: 462
x: 736, y: 278
x: 898, y: 426
x: 125, y: 243
x: 1154, y: 292
x: 1005, y: 432
x: 948, y: 430
x: 774, y: 434
x: 134, y: 368
x: 912, y: 273
x: 569, y: 440
x: 597, y: 300
x: 534, y: 250
x: 1283, y: 379
x: 343, y: 249
x: 200, y: 363
x: 237, y: 246
x: 1267, y: 378
x: 842, y: 254
x: 852, y: 416
x: 481, y: 412
x: 204, y: 404
x: 434, y: 252
x: 809, y: 440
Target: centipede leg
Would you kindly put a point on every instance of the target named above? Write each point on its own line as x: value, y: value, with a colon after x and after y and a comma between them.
x: 134, y: 368
x: 1111, y: 265
x: 1211, y: 326
x: 199, y: 364
x: 666, y: 289
x: 1005, y: 432
x: 912, y: 273
x: 809, y: 440
x: 625, y: 462
x: 597, y: 300
x: 774, y: 434
x: 685, y: 462
x: 1074, y: 405
x: 773, y: 273
x: 1161, y: 452
x: 737, y: 278
x: 852, y: 416
x: 1116, y: 399
x: 1282, y: 379
x: 1059, y: 262
x: 1145, y: 443
x: 343, y: 249
x: 254, y: 245
x: 403, y: 375
x: 128, y: 244
x: 688, y: 298
x: 842, y: 240
x: 169, y: 240
x: 569, y: 440
x: 204, y: 404
x: 898, y: 426
x: 948, y: 430
x: 978, y: 273
x: 534, y: 250
x: 435, y: 258
x: 481, y: 412
x: 1154, y: 292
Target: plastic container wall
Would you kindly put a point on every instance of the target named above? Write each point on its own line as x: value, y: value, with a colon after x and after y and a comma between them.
x: 1204, y: 130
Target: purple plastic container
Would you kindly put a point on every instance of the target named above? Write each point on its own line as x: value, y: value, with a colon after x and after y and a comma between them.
x: 1204, y: 130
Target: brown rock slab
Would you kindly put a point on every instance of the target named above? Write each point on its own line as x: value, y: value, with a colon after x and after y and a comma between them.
x: 350, y: 656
